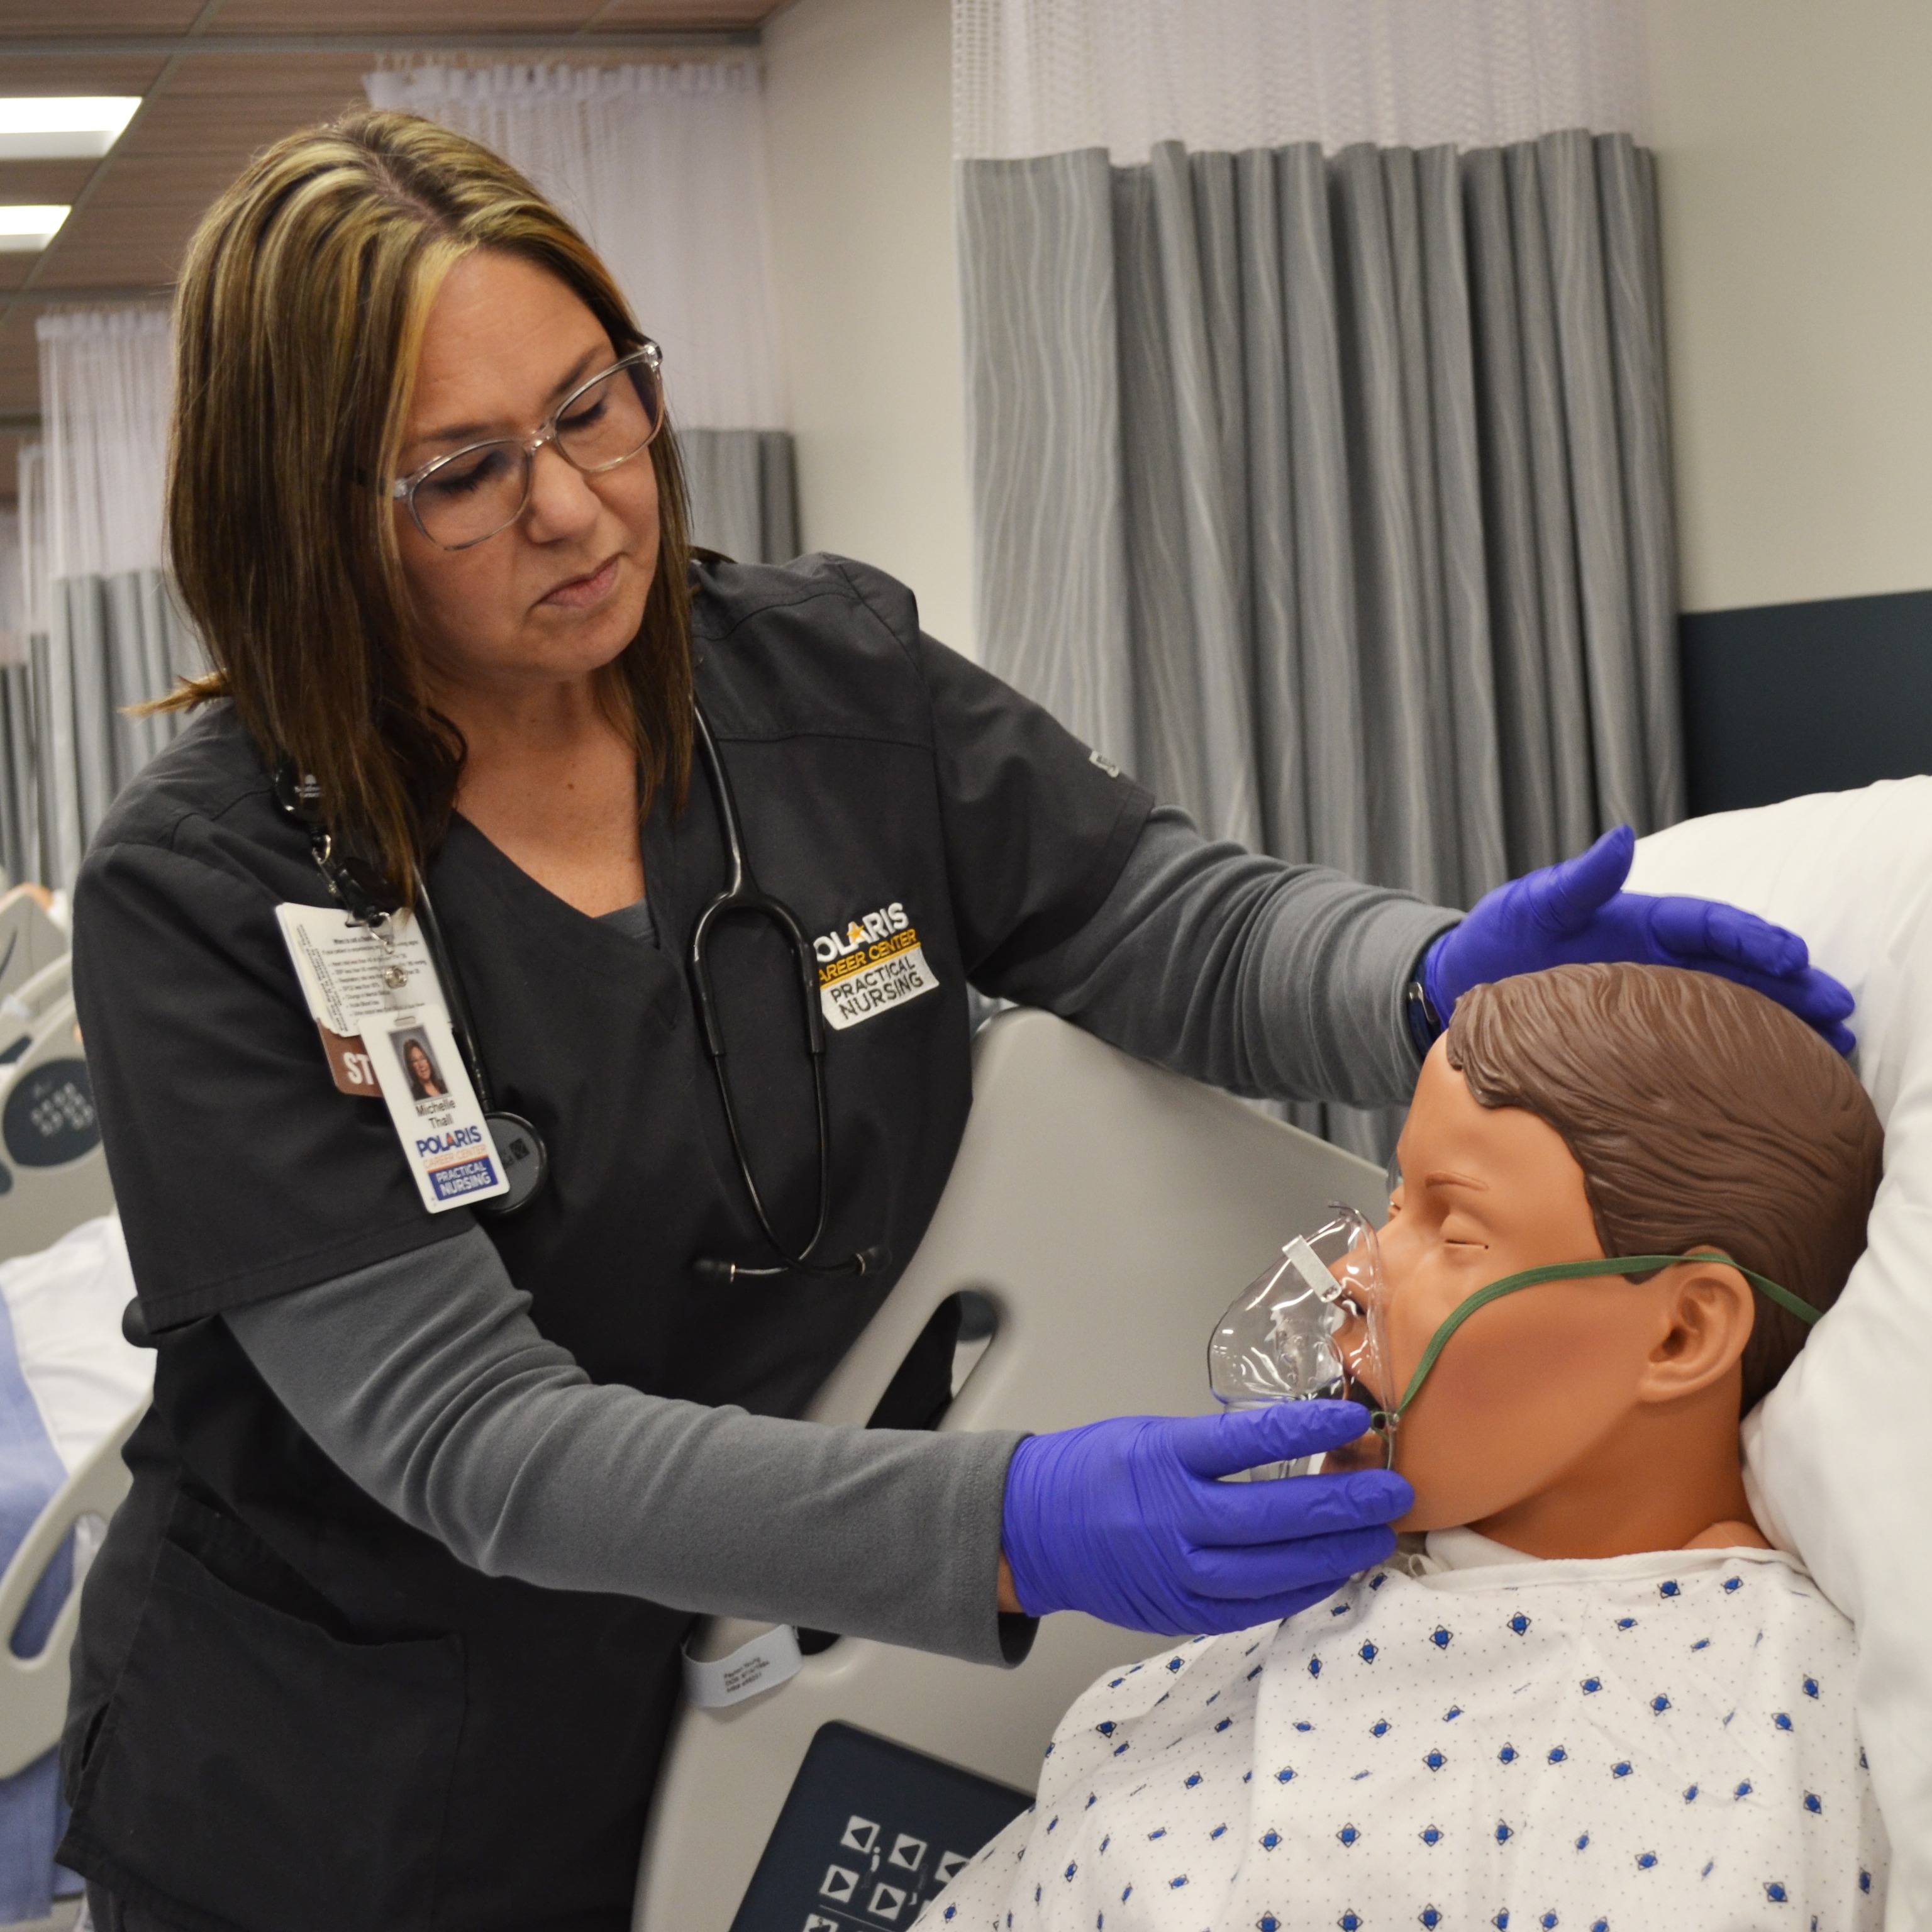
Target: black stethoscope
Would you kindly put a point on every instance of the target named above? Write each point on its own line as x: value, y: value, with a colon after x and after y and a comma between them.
x: 519, y: 1148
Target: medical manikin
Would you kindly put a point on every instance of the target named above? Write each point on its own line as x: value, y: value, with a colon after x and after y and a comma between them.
x: 1589, y: 1695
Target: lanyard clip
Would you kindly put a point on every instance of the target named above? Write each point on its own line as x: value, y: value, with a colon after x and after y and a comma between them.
x: 361, y: 891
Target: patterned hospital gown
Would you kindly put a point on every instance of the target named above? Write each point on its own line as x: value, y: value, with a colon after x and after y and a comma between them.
x: 1649, y: 1741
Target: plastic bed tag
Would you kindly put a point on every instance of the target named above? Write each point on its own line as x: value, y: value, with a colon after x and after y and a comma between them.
x: 768, y: 1660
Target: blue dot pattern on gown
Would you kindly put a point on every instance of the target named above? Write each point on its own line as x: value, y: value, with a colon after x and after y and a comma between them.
x: 1645, y: 1740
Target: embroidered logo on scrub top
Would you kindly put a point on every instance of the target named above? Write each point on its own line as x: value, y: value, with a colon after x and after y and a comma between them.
x: 876, y: 963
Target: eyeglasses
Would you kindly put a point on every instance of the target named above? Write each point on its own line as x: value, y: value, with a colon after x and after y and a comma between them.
x: 472, y: 493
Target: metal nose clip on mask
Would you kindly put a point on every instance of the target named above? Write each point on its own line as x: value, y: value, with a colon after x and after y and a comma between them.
x: 1311, y: 1325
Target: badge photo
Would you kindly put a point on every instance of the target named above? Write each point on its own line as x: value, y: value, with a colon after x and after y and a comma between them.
x: 438, y: 1119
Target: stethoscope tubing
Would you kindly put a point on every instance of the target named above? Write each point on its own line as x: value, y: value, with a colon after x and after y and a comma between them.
x: 521, y: 1150
x: 744, y: 898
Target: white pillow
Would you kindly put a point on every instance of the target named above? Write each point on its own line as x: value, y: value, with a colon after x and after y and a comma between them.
x: 1840, y: 1452
x: 65, y: 1304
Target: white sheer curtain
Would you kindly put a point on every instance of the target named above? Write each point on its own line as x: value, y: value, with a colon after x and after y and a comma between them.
x: 112, y: 636
x: 663, y: 168
x: 1046, y: 77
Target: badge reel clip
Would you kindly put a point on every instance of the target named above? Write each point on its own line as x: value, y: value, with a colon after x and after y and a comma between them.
x: 1310, y: 1326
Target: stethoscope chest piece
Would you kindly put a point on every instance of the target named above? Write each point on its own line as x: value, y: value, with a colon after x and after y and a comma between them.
x: 524, y: 1159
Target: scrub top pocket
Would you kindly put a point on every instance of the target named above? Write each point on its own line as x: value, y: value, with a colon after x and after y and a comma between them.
x: 227, y: 1824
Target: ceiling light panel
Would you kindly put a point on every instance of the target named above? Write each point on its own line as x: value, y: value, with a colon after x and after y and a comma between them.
x: 50, y: 127
x: 26, y: 228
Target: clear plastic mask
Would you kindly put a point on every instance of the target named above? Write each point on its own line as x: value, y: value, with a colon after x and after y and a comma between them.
x: 1311, y: 1325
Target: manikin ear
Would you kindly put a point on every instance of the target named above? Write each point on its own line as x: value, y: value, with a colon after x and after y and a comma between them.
x: 1709, y: 1310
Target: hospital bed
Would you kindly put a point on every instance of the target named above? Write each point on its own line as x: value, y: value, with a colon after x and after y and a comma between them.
x: 33, y: 1690
x: 53, y: 1173
x: 30, y: 939
x: 1108, y: 1211
x: 70, y: 1389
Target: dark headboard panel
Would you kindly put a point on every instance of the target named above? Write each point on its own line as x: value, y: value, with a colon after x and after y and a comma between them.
x: 1790, y: 698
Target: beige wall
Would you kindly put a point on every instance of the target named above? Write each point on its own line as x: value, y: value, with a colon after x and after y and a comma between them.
x: 1795, y: 150
x: 859, y: 100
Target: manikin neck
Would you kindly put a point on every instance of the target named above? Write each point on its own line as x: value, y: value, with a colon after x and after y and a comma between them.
x: 1664, y: 1475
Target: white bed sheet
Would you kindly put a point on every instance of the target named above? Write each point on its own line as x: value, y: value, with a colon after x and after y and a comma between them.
x: 65, y: 1305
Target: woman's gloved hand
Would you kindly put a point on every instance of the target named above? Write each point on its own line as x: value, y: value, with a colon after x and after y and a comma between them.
x: 1125, y: 1520
x: 1564, y: 915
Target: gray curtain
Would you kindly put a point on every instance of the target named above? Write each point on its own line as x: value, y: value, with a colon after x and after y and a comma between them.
x: 114, y: 642
x: 1331, y: 495
x: 744, y: 500
x: 20, y: 805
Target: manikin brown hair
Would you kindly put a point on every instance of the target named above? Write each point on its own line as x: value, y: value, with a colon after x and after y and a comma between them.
x: 297, y: 325
x: 1702, y: 1113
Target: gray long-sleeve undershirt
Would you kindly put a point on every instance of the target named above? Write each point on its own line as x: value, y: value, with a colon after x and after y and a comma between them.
x: 1286, y: 983
x: 424, y: 1379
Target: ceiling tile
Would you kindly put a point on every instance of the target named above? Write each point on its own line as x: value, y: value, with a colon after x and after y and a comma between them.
x: 672, y: 13
x: 115, y: 73
x: 266, y: 77
x: 72, y: 17
x: 43, y: 180
x: 116, y: 277
x: 120, y: 250
x: 196, y: 138
x: 168, y: 181
x: 403, y: 17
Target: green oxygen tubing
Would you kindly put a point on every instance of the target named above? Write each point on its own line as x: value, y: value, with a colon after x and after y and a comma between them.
x: 1385, y: 1420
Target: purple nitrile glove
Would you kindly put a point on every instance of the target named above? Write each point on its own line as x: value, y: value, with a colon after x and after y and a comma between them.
x: 1567, y: 914
x: 1125, y: 1520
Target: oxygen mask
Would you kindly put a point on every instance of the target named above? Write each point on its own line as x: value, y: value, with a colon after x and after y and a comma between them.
x: 1311, y: 1325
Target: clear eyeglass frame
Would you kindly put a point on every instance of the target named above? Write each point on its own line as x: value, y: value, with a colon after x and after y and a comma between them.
x: 647, y: 356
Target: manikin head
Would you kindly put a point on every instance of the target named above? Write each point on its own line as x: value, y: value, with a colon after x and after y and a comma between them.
x: 1608, y: 1110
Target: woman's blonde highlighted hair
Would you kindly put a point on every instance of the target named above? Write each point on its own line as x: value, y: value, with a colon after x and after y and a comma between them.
x: 298, y: 323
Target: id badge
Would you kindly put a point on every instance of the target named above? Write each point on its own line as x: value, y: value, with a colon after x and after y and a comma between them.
x: 375, y: 996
